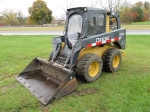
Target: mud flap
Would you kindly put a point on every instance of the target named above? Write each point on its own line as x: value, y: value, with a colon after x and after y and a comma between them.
x: 47, y: 81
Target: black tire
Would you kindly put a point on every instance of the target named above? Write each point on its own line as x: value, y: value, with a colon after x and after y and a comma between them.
x: 51, y: 55
x: 89, y: 67
x: 112, y: 59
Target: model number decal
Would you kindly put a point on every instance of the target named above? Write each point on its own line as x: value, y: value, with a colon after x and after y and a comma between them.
x: 121, y: 34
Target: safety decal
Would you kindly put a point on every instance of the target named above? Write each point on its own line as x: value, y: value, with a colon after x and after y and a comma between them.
x: 100, y: 41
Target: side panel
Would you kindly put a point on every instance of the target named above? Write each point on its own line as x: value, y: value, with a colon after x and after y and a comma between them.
x: 95, y: 43
x: 117, y: 36
x: 95, y: 50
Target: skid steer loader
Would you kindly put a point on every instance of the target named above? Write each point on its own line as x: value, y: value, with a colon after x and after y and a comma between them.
x: 91, y: 42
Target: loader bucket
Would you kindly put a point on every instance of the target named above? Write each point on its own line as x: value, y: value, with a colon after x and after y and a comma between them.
x: 47, y: 81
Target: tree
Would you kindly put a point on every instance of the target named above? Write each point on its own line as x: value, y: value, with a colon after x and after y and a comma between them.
x: 111, y: 5
x: 147, y: 10
x: 9, y: 18
x: 68, y: 5
x: 29, y: 21
x: 127, y: 16
x: 134, y: 15
x: 1, y: 22
x: 139, y: 4
x: 138, y: 8
x: 94, y: 3
x: 40, y: 13
x: 22, y: 20
x: 146, y: 6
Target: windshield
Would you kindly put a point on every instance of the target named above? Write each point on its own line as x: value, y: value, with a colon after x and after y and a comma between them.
x: 75, y: 24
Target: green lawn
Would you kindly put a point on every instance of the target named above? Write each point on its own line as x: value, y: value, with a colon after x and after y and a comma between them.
x: 137, y: 26
x: 141, y: 23
x: 31, y: 28
x: 127, y: 90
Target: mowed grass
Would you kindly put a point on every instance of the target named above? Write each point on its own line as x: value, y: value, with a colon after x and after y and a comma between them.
x: 137, y: 26
x: 127, y: 90
x: 141, y: 23
x: 52, y: 28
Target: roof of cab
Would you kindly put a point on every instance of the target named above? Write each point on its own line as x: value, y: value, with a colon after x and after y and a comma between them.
x: 88, y: 8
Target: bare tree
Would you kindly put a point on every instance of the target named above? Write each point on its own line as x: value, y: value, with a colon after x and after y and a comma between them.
x: 21, y: 19
x: 111, y: 5
x: 119, y: 4
x: 94, y: 3
x: 9, y: 18
x: 68, y: 5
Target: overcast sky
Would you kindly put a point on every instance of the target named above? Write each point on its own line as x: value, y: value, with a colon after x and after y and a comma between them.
x: 54, y: 5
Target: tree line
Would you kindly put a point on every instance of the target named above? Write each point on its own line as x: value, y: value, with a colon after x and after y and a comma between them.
x: 138, y: 12
x: 40, y: 14
x: 12, y: 18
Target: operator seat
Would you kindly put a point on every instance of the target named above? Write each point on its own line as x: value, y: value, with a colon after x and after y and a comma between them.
x: 72, y: 39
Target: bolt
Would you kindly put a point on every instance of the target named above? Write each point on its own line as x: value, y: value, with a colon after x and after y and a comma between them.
x: 48, y: 78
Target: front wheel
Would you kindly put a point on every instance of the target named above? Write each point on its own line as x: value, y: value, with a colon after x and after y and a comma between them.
x: 89, y: 67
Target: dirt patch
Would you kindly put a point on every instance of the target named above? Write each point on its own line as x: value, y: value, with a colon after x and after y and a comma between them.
x: 80, y: 80
x: 4, y: 65
x: 44, y: 108
x: 143, y: 69
x: 12, y: 85
x: 85, y: 91
x: 148, y: 90
x: 1, y: 74
x: 104, y: 109
x: 6, y: 77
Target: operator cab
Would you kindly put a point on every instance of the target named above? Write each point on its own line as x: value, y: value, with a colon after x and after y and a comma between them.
x: 83, y: 22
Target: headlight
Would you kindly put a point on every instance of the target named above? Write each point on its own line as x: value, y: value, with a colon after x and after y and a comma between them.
x: 85, y: 9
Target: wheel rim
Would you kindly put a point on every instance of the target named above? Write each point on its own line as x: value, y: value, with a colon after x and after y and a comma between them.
x: 94, y: 68
x: 116, y: 61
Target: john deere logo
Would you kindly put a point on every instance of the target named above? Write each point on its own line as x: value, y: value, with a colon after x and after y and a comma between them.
x: 102, y: 39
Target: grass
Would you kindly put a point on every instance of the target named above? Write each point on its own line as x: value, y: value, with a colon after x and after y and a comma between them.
x: 127, y: 90
x: 136, y: 27
x: 31, y: 28
x: 141, y: 23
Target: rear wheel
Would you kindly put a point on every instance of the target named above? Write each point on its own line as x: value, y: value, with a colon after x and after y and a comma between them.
x: 89, y: 67
x: 112, y: 60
